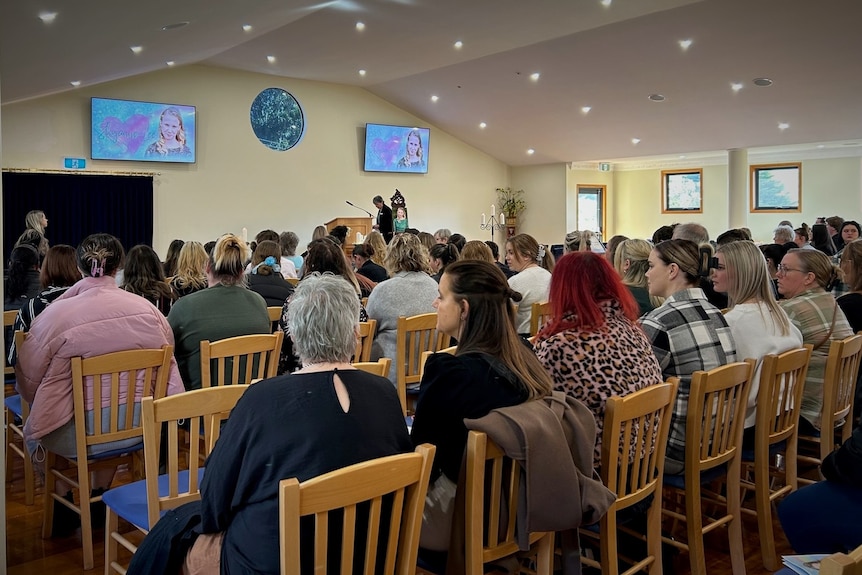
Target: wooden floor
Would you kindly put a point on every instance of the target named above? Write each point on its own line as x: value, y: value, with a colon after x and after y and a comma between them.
x: 29, y: 554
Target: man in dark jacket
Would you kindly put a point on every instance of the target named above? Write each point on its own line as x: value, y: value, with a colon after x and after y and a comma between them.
x: 384, y: 219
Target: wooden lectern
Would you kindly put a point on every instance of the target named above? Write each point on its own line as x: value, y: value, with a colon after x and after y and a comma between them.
x: 360, y: 225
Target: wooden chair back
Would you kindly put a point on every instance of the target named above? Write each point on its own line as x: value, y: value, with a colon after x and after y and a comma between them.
x: 274, y: 312
x: 367, y: 329
x: 403, y: 479
x: 292, y: 281
x: 426, y: 354
x: 379, y: 367
x: 193, y: 408
x: 634, y: 439
x: 491, y: 501
x: 540, y: 314
x: 15, y: 435
x: 8, y: 322
x: 240, y: 359
x: 842, y: 563
x: 415, y: 335
x: 839, y: 385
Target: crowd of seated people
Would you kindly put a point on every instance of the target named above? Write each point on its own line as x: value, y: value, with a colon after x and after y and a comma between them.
x: 618, y: 323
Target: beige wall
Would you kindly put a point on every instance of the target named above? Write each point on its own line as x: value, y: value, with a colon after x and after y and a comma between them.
x: 545, y: 193
x: 237, y: 182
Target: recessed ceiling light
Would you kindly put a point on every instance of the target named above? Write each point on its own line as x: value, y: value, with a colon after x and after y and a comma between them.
x: 136, y: 49
x: 535, y: 76
x: 246, y: 27
x: 783, y: 125
x: 606, y: 3
x: 821, y: 146
x: 362, y: 72
x: 483, y: 125
x: 170, y: 62
x: 735, y: 86
x: 682, y: 157
x: 636, y: 141
x: 586, y: 109
x: 360, y: 26
x: 76, y: 83
x: 434, y: 98
x: 656, y: 97
x: 270, y: 59
x: 458, y: 45
x: 762, y: 82
x: 531, y: 151
x: 174, y: 26
x: 47, y: 17
x: 685, y: 44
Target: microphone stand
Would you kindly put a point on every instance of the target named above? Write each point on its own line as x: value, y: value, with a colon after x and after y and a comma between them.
x: 349, y: 203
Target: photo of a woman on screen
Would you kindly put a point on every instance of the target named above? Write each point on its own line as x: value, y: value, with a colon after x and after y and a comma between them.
x: 172, y: 136
x: 413, y: 154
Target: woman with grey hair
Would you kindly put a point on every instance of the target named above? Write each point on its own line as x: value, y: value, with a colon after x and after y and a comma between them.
x: 326, y: 416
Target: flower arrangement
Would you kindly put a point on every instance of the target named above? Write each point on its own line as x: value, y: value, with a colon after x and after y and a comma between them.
x: 511, y: 201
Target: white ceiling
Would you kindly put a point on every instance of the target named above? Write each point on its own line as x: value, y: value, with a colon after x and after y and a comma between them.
x: 610, y: 58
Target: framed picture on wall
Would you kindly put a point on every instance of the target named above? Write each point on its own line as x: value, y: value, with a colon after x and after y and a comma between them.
x: 682, y: 191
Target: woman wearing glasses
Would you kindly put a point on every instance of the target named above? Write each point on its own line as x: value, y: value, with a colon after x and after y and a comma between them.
x: 804, y: 279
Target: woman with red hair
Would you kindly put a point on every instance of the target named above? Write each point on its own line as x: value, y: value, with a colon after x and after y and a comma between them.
x: 592, y: 347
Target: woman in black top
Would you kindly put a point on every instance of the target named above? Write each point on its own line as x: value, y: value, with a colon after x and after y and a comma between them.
x: 265, y: 277
x: 22, y: 279
x: 144, y: 275
x: 362, y: 254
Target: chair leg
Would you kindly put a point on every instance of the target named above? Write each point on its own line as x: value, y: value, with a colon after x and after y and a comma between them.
x: 9, y: 450
x: 545, y: 555
x: 86, y: 518
x: 734, y: 527
x: 48, y: 505
x: 29, y: 477
x: 653, y: 534
x: 764, y: 514
x: 112, y: 524
x: 694, y: 524
x: 608, y: 544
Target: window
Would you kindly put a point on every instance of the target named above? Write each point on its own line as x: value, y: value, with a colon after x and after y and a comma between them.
x: 682, y: 191
x: 776, y: 188
x: 591, y: 208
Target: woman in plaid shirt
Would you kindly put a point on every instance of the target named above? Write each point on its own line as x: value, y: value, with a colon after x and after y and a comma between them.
x: 687, y: 332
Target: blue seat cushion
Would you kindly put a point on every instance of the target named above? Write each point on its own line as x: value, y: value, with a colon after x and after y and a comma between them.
x: 130, y: 501
x: 707, y: 476
x: 13, y: 404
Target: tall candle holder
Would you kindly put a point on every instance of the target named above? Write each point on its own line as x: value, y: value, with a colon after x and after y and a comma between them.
x: 493, y: 223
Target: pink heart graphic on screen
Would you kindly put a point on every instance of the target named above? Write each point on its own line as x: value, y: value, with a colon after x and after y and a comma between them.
x: 128, y: 135
x: 386, y: 150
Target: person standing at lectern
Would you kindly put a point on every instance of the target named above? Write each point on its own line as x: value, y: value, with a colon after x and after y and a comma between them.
x: 384, y: 219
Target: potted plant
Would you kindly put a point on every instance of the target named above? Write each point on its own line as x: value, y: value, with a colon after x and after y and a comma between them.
x: 512, y: 203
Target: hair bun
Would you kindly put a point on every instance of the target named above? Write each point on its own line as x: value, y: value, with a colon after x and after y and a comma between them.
x: 514, y: 295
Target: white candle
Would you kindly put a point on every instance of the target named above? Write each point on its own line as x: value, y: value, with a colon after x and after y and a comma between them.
x: 502, y: 219
x: 245, y: 235
x: 492, y: 210
x: 483, y: 219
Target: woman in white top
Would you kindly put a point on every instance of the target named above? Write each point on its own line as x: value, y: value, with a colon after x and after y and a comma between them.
x: 758, y: 324
x: 534, y: 264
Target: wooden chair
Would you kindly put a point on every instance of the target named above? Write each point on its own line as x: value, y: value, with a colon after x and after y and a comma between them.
x: 713, y: 437
x: 255, y: 356
x: 541, y: 313
x: 379, y: 367
x: 143, y: 502
x: 292, y: 281
x: 118, y: 370
x: 415, y: 335
x: 492, y: 487
x: 367, y: 329
x: 779, y: 399
x: 16, y: 407
x: 8, y: 322
x: 842, y: 563
x: 634, y: 439
x: 426, y: 354
x: 403, y: 479
x: 839, y: 385
x: 274, y: 312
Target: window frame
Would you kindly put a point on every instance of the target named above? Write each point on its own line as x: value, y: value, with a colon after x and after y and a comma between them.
x: 754, y: 170
x: 665, y: 174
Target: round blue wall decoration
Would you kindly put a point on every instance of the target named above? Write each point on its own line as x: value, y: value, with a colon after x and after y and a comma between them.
x: 277, y: 119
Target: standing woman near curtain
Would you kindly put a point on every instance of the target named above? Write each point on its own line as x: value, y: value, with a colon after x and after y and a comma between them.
x: 22, y: 280
x: 36, y: 220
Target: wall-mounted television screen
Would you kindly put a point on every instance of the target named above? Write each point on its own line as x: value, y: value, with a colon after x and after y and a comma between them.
x: 142, y: 131
x: 396, y: 149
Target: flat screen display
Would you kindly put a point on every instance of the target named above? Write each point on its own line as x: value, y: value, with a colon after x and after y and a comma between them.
x: 396, y: 149
x: 142, y: 131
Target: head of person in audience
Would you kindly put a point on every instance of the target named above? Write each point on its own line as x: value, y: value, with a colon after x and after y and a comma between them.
x: 741, y: 273
x: 833, y: 224
x: 34, y: 238
x: 192, y: 264
x: 495, y: 249
x: 319, y: 232
x: 583, y: 283
x: 773, y: 254
x: 578, y: 241
x: 406, y: 254
x: 60, y: 268
x: 821, y: 239
x: 361, y: 254
x: 100, y: 255
x: 734, y: 235
x: 323, y: 319
x: 442, y: 255
x: 785, y: 223
x: 265, y: 259
x: 208, y: 247
x: 376, y: 240
x: 173, y: 255
x: 36, y: 220
x: 851, y: 265
x: 477, y: 250
x: 144, y: 275
x: 474, y: 305
x: 674, y: 265
x: 523, y: 251
x: 340, y: 234
x: 612, y: 246
x: 226, y: 263
x: 850, y: 230
x: 23, y: 260
x: 288, y: 242
x: 458, y: 241
x: 442, y: 235
x: 427, y: 240
x: 802, y: 235
x: 325, y: 255
x: 691, y: 231
x: 783, y: 234
x: 632, y: 262
x: 663, y: 233
x: 805, y: 270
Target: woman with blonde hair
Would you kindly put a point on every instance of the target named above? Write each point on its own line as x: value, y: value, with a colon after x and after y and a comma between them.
x: 578, y: 241
x: 477, y: 250
x: 758, y: 324
x: 804, y: 279
x: 376, y: 241
x: 631, y: 260
x: 225, y: 309
x: 36, y: 220
x: 191, y: 265
x: 534, y: 264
